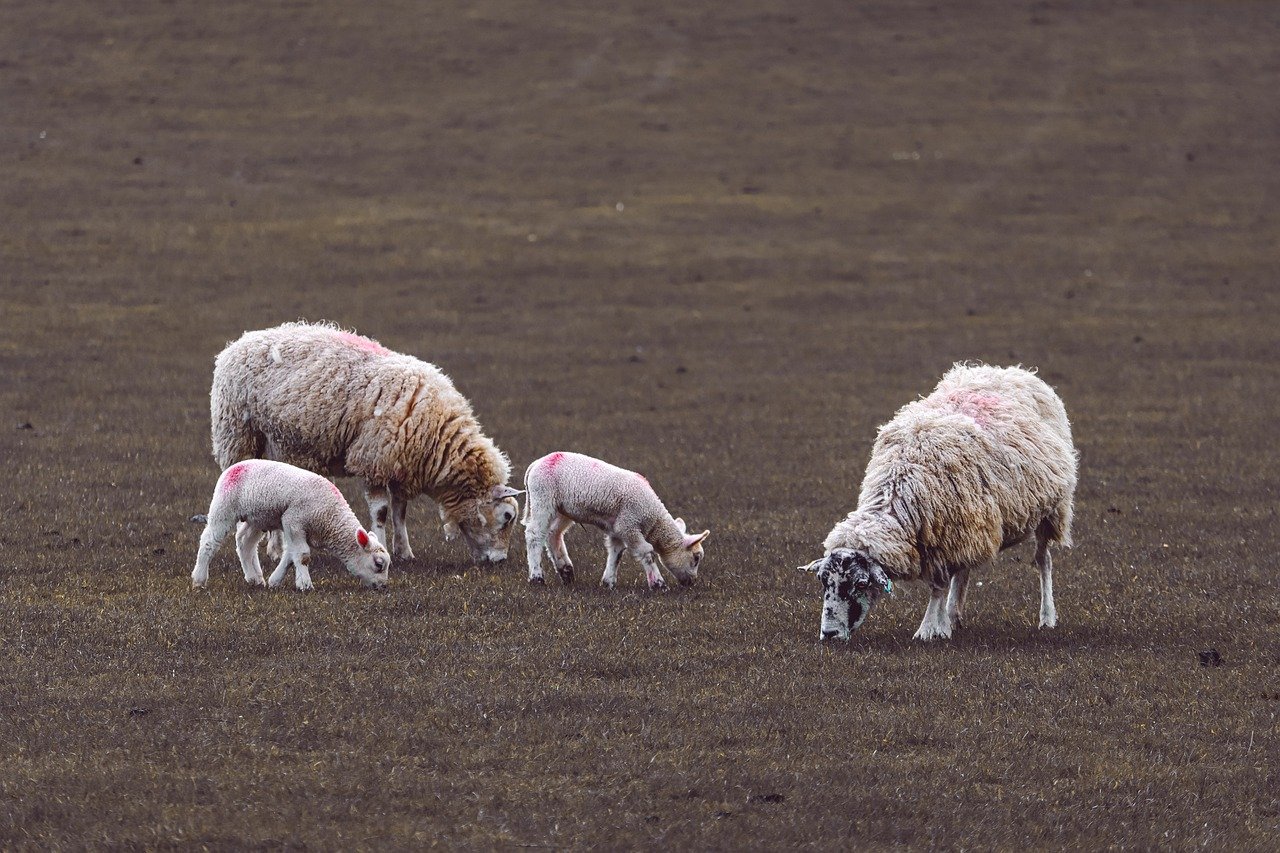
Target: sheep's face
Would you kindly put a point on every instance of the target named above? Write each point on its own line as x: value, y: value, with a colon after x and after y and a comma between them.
x: 684, y: 561
x: 851, y: 583
x: 487, y: 529
x: 371, y: 561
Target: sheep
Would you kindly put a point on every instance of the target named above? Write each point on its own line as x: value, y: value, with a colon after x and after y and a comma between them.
x: 257, y: 496
x: 978, y: 466
x: 336, y: 403
x: 564, y: 488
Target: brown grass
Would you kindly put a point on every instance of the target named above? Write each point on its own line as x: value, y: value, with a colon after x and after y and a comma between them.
x: 1093, y: 196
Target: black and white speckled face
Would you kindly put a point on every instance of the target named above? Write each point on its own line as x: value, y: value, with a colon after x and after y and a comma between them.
x: 851, y: 584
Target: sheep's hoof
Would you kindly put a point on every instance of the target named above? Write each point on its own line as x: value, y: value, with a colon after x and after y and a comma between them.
x: 660, y: 586
x: 566, y: 574
x: 259, y: 581
x: 608, y: 584
x: 538, y: 581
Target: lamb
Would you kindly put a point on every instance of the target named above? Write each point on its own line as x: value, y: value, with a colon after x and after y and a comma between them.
x: 978, y: 466
x: 337, y: 403
x: 257, y: 496
x: 564, y: 488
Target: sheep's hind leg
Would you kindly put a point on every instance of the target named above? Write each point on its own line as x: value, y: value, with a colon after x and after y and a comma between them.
x: 378, y: 499
x: 1044, y: 561
x: 215, y: 530
x: 556, y: 547
x: 935, y: 625
x: 616, y: 547
x: 400, y: 545
x: 956, y: 599
x: 247, y: 539
x: 535, y: 542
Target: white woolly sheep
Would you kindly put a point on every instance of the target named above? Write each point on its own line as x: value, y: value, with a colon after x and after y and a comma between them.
x: 564, y: 488
x: 978, y: 466
x: 258, y: 496
x: 340, y: 404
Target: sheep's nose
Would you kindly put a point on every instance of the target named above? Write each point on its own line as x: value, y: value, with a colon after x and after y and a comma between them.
x: 830, y: 634
x: 687, y: 581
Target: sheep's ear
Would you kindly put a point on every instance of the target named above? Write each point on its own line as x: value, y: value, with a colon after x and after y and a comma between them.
x: 680, y: 524
x: 690, y: 541
x: 880, y: 579
x: 499, y: 493
x: 812, y: 567
x: 362, y: 538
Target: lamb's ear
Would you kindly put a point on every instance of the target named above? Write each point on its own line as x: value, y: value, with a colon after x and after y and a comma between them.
x: 499, y: 493
x: 680, y: 524
x: 362, y: 538
x: 690, y: 541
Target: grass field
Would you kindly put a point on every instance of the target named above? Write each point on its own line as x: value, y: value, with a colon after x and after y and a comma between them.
x: 717, y: 244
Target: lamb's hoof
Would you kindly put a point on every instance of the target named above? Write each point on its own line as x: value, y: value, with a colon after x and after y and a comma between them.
x: 195, y: 584
x: 566, y: 574
x: 304, y: 587
x: 608, y: 584
x: 1050, y: 622
x: 660, y: 586
x: 256, y: 581
x: 932, y: 634
x: 538, y: 581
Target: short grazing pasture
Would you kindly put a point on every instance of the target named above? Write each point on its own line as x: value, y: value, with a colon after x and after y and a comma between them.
x: 715, y: 244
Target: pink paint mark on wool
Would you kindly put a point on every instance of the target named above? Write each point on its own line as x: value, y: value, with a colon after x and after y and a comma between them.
x: 334, y: 488
x: 976, y: 404
x: 233, y: 475
x: 362, y: 343
x: 552, y: 462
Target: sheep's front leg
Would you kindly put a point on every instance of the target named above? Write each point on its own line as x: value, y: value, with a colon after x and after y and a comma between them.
x: 536, y: 526
x: 642, y: 551
x: 935, y: 625
x: 955, y: 601
x: 616, y: 547
x: 247, y: 539
x: 400, y: 546
x: 379, y: 500
x: 1048, y: 613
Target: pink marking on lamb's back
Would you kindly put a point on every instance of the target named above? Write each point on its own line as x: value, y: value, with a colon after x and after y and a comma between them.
x: 552, y: 462
x: 233, y: 475
x: 980, y: 406
x: 362, y: 343
x: 336, y: 490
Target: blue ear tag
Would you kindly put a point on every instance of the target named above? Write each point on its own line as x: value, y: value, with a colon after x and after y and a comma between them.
x: 888, y: 586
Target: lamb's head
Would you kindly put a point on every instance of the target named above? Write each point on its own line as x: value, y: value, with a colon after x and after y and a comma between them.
x: 486, y: 524
x: 685, y: 559
x: 370, y: 561
x: 852, y: 582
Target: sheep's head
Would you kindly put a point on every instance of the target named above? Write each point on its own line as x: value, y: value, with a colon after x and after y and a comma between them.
x: 371, y: 560
x: 684, y: 560
x: 852, y: 582
x: 486, y: 526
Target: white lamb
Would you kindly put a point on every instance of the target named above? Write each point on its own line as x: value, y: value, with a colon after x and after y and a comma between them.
x: 564, y: 488
x: 979, y: 465
x: 258, y: 496
x: 340, y: 404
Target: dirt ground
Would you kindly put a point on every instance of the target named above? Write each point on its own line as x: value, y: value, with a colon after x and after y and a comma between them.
x: 718, y: 244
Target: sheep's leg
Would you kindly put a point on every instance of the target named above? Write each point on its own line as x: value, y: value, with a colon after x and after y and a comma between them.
x: 616, y: 547
x: 275, y: 545
x: 643, y: 553
x: 1048, y: 613
x: 935, y: 625
x: 247, y: 539
x: 400, y: 546
x: 379, y: 500
x: 556, y: 547
x: 956, y: 599
x: 277, y: 576
x: 295, y: 544
x: 215, y: 530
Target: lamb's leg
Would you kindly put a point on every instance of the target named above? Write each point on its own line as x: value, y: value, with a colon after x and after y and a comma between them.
x: 277, y: 576
x: 535, y: 541
x: 247, y: 539
x: 215, y: 530
x: 556, y: 547
x: 400, y: 546
x: 955, y: 601
x: 642, y: 551
x: 1048, y: 613
x: 275, y: 545
x: 295, y: 544
x: 379, y: 500
x: 935, y: 626
x: 615, y: 546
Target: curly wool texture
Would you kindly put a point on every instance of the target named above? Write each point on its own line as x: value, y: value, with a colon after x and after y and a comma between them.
x: 337, y: 403
x: 954, y: 478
